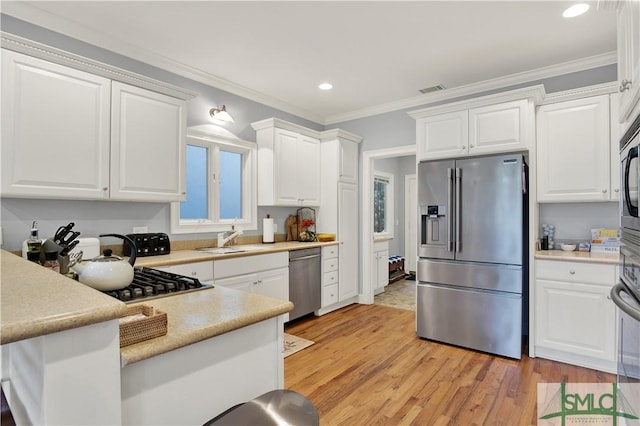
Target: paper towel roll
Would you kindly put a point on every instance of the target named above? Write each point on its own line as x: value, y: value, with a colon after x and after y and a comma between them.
x: 267, y: 230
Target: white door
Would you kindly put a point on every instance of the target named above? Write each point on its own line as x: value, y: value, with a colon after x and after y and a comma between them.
x: 443, y: 136
x: 55, y: 130
x: 410, y: 222
x: 241, y: 282
x: 286, y: 183
x: 308, y: 170
x: 273, y: 283
x: 148, y: 144
x: 628, y: 56
x: 573, y: 150
x: 348, y: 236
x: 498, y: 128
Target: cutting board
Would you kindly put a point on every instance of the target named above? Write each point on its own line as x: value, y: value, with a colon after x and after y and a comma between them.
x: 291, y: 225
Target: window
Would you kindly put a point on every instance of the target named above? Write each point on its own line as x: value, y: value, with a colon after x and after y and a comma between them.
x: 382, y: 205
x: 221, y: 188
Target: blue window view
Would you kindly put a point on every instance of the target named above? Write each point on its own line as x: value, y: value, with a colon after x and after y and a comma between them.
x: 196, y: 206
x: 230, y: 185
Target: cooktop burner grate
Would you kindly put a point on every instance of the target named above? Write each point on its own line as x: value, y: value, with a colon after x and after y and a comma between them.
x: 151, y: 283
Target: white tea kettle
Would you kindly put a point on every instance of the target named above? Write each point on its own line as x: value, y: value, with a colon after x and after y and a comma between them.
x: 107, y: 272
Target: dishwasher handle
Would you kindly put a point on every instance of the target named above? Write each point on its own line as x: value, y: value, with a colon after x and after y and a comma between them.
x: 311, y: 256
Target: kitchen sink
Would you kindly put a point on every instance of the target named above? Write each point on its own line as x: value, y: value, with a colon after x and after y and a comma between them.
x: 229, y: 250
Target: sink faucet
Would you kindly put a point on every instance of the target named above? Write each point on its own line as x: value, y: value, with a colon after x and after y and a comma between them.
x: 222, y: 240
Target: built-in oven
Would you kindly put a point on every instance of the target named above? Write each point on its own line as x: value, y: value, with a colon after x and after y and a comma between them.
x: 626, y: 293
x: 624, y: 296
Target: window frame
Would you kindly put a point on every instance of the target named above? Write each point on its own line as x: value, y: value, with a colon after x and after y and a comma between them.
x: 216, y: 142
x: 387, y: 234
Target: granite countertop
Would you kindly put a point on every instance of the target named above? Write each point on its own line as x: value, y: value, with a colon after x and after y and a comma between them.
x: 608, y: 258
x: 200, y: 315
x: 177, y: 257
x: 35, y: 301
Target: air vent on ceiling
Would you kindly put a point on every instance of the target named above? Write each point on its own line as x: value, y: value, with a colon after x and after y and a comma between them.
x: 432, y: 89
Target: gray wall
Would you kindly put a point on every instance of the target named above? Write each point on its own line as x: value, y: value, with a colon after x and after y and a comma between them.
x: 399, y: 167
x: 91, y: 218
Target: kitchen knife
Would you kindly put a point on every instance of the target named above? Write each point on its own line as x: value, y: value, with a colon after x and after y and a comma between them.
x: 62, y: 232
x: 65, y: 251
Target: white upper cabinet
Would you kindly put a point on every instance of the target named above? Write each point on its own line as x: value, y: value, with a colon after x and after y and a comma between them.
x: 288, y: 164
x: 70, y: 134
x: 443, y: 135
x: 55, y: 130
x: 148, y: 143
x: 629, y: 58
x: 487, y: 125
x: 498, y: 128
x: 348, y: 162
x: 574, y: 151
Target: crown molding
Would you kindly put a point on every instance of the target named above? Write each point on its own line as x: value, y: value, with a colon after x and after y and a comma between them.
x: 271, y: 123
x: 475, y: 88
x: 581, y: 92
x: 39, y: 17
x: 534, y: 93
x: 61, y: 57
x: 334, y: 134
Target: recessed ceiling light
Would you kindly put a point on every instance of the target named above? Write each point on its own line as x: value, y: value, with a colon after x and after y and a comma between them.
x: 575, y: 10
x: 325, y: 86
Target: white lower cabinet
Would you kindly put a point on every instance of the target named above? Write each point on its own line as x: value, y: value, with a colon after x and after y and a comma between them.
x: 575, y: 321
x: 380, y: 274
x: 203, y: 271
x: 330, y: 281
x: 265, y: 274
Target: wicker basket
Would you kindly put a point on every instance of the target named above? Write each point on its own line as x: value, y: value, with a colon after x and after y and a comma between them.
x: 151, y: 324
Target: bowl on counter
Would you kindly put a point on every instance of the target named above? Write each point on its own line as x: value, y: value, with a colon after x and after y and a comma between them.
x: 568, y: 247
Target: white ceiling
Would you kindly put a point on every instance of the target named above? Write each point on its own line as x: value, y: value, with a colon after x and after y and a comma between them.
x: 376, y: 54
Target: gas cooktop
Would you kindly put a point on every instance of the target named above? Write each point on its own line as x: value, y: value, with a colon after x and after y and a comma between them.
x: 151, y: 283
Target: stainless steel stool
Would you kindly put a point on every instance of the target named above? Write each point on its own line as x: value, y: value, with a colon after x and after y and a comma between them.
x: 278, y: 408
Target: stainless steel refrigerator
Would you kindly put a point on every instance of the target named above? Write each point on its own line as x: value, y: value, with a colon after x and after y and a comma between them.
x: 471, y: 249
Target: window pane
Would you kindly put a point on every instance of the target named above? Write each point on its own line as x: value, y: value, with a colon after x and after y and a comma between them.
x: 196, y: 206
x: 230, y: 185
x: 379, y: 205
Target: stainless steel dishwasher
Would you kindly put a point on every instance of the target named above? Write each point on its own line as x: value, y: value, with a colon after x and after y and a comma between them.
x: 304, y: 281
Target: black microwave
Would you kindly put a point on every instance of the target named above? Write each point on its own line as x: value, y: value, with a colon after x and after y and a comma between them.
x: 630, y: 177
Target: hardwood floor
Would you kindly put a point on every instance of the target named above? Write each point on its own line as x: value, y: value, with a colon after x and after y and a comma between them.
x: 368, y: 367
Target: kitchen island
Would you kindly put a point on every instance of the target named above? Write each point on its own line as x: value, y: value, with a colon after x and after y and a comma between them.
x: 62, y: 364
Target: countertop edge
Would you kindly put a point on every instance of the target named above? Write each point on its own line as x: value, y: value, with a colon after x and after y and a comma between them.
x: 42, y: 326
x: 574, y: 256
x: 179, y: 257
x: 143, y: 350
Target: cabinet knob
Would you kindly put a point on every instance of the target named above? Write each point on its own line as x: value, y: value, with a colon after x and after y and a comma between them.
x: 616, y: 190
x: 625, y: 85
x: 471, y: 146
x: 604, y: 191
x: 106, y: 188
x: 463, y: 148
x: 572, y: 272
x: 193, y: 274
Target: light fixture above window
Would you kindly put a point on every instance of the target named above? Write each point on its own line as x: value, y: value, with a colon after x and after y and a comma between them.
x: 575, y: 10
x: 325, y: 86
x: 221, y: 114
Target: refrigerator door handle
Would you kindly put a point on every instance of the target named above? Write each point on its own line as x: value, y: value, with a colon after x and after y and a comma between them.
x: 458, y: 210
x: 450, y: 177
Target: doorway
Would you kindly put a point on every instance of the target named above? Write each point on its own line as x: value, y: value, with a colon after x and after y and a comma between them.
x: 368, y: 165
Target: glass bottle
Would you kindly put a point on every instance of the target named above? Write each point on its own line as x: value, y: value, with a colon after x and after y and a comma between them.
x: 51, y: 261
x: 34, y: 243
